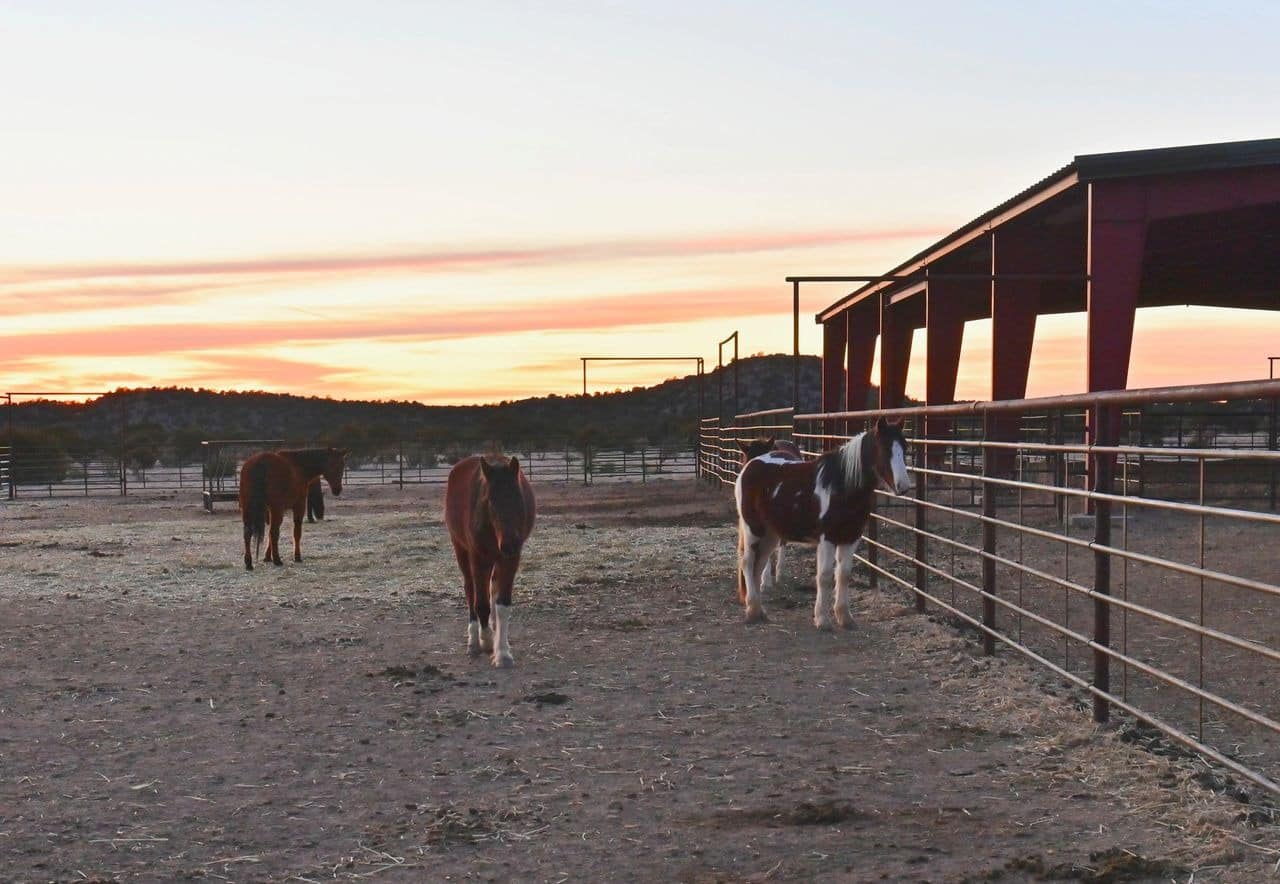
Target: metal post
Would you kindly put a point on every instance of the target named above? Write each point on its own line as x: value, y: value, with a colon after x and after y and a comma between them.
x: 1102, y: 470
x: 736, y: 407
x: 400, y: 458
x: 922, y: 575
x: 1271, y: 433
x: 795, y: 345
x: 988, y: 544
x: 13, y: 488
x: 124, y: 445
x: 584, y: 377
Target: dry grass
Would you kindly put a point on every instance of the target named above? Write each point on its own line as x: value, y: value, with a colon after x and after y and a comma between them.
x: 171, y: 716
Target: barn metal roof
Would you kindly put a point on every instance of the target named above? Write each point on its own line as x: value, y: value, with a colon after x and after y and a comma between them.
x: 1084, y: 168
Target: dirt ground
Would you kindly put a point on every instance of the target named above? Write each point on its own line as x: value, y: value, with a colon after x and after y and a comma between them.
x: 165, y: 716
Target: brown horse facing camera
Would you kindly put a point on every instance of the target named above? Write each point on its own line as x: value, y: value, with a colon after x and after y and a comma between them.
x: 274, y: 481
x: 489, y: 510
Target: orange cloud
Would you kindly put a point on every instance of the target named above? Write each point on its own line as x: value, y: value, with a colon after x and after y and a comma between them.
x: 436, y: 261
x: 615, y: 311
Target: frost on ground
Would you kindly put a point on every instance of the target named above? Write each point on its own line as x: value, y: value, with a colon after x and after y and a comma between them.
x: 165, y: 715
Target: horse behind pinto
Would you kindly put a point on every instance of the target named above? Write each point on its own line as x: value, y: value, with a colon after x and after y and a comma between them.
x: 823, y: 502
x: 489, y: 510
x: 274, y: 481
x: 776, y: 448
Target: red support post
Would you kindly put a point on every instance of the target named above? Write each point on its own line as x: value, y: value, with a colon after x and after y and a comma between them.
x: 1015, y: 304
x: 834, y: 334
x: 1117, y: 237
x: 895, y: 355
x: 863, y: 328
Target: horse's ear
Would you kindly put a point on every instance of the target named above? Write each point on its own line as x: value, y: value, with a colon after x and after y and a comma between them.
x: 770, y: 441
x: 746, y: 449
x: 344, y: 451
x: 486, y: 470
x: 515, y: 464
x: 881, y: 425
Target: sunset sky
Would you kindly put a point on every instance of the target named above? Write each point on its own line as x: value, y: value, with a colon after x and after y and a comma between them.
x: 452, y: 202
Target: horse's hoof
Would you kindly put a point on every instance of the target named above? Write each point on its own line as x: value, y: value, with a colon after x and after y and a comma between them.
x: 297, y: 558
x: 277, y: 562
x: 474, y: 650
x: 822, y: 624
x: 757, y: 615
x: 503, y: 661
x: 486, y: 641
x: 844, y: 618
x: 248, y: 565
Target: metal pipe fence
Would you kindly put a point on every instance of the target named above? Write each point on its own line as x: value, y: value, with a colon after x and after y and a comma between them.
x: 214, y: 474
x: 1040, y: 525
x: 6, y: 473
x: 719, y: 456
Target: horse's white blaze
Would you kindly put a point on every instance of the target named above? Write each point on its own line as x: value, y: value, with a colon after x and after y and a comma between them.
x: 826, y: 578
x: 501, y: 635
x: 901, y: 478
x: 776, y: 489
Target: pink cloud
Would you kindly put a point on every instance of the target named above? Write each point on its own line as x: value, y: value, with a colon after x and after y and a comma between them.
x: 436, y: 261
x: 617, y: 311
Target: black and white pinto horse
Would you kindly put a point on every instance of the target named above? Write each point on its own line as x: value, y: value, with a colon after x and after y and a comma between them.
x: 824, y: 503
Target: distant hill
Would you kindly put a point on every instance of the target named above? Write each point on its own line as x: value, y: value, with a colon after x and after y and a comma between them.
x: 667, y: 412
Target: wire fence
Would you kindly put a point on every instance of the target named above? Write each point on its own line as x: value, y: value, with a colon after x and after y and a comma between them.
x: 1059, y: 528
x: 214, y: 473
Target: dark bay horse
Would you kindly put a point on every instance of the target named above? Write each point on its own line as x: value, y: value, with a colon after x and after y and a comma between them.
x: 751, y: 449
x: 823, y: 503
x: 274, y: 481
x: 315, y: 501
x: 489, y: 510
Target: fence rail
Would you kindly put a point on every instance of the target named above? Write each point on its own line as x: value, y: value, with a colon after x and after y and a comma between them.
x: 1084, y: 534
x: 214, y: 474
x: 6, y: 473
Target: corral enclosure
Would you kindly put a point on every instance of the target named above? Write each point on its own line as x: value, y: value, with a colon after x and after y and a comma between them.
x: 168, y: 716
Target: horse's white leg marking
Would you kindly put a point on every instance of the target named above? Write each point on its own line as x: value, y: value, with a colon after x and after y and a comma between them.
x: 502, y: 637
x: 473, y: 637
x: 777, y: 564
x: 826, y: 578
x: 844, y: 572
x: 755, y: 555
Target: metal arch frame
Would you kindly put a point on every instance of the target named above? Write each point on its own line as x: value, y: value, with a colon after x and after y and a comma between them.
x: 697, y: 359
x: 720, y: 374
x: 697, y: 454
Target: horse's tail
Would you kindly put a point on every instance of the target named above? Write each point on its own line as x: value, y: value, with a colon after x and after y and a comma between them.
x: 255, y: 513
x: 742, y: 578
